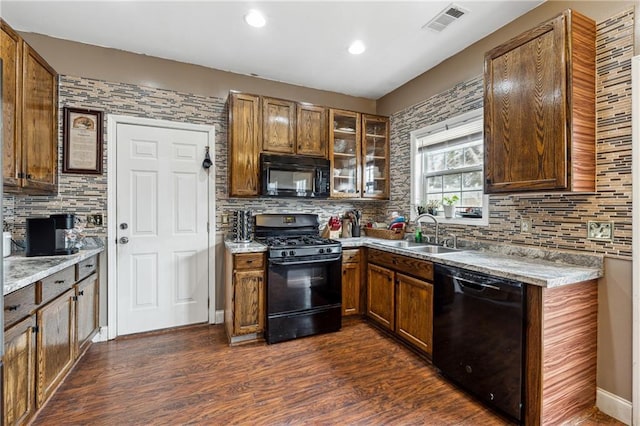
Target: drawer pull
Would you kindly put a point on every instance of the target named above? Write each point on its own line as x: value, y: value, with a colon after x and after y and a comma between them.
x: 12, y: 307
x: 59, y: 282
x: 88, y: 266
x: 249, y: 261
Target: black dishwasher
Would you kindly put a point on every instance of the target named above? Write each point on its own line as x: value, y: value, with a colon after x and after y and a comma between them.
x: 478, y: 335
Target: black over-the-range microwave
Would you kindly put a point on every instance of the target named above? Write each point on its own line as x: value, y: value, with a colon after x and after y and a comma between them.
x: 294, y: 176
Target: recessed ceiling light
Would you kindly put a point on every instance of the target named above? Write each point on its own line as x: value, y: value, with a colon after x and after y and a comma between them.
x: 255, y: 18
x: 357, y: 47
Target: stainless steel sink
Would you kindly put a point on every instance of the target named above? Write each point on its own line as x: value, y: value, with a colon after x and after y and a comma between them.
x: 433, y: 249
x: 418, y: 247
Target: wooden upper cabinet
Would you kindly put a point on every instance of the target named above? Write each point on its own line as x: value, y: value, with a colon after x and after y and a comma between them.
x: 11, y: 54
x: 311, y: 130
x: 39, y: 123
x: 278, y: 125
x: 244, y: 145
x: 30, y: 113
x: 539, y: 109
x: 375, y: 156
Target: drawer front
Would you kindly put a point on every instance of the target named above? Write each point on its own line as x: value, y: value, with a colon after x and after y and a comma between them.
x: 19, y: 304
x: 56, y: 284
x: 86, y: 268
x: 248, y: 261
x: 408, y: 265
x: 351, y: 256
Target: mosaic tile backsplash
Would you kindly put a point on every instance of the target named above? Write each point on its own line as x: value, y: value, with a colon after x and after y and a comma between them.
x: 559, y: 221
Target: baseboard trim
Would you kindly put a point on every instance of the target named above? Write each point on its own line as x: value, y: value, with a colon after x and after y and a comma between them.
x: 614, y: 406
x: 101, y: 335
x: 219, y: 317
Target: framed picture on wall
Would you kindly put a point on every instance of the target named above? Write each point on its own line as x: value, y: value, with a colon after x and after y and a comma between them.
x: 82, y: 138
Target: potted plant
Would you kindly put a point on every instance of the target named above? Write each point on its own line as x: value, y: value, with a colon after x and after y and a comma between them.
x: 430, y: 207
x: 448, y: 204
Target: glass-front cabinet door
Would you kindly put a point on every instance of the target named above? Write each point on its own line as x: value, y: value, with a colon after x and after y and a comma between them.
x: 344, y: 153
x: 375, y: 157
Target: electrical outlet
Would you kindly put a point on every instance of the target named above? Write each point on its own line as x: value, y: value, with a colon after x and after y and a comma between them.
x: 525, y: 226
x: 94, y: 220
x: 225, y: 218
x: 600, y: 230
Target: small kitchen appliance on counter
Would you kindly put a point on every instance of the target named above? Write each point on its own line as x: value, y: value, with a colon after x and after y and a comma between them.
x: 50, y: 236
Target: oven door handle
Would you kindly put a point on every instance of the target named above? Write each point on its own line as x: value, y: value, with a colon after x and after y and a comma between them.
x: 303, y: 262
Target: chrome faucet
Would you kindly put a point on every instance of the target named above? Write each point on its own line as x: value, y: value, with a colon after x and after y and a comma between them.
x: 435, y: 221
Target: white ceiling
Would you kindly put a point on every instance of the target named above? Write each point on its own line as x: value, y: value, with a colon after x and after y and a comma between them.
x: 304, y: 42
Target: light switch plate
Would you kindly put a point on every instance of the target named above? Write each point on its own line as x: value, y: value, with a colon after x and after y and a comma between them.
x: 597, y: 230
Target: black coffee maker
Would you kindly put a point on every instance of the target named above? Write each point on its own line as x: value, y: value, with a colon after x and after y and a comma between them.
x: 49, y: 236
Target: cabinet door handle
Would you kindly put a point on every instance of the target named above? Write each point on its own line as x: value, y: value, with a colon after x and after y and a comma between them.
x: 29, y: 176
x: 74, y: 298
x: 88, y: 266
x: 81, y: 293
x: 12, y: 307
x: 59, y: 282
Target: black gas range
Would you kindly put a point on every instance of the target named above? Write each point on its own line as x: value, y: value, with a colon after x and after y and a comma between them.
x: 304, y: 288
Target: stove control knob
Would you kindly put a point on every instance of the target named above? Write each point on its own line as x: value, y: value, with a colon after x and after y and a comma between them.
x: 322, y: 251
x: 329, y: 250
x: 292, y: 253
x: 284, y: 254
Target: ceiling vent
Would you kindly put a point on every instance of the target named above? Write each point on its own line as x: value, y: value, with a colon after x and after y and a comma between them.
x: 449, y: 15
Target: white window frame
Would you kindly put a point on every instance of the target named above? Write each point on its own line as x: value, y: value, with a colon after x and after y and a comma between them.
x: 440, y: 132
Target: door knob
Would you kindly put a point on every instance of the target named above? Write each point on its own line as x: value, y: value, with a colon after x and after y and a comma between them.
x: 123, y: 226
x: 124, y: 240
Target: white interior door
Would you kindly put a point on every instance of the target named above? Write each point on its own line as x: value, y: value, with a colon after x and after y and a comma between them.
x: 161, y: 219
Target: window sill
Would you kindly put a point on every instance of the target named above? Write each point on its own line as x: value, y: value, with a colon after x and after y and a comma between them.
x: 483, y: 221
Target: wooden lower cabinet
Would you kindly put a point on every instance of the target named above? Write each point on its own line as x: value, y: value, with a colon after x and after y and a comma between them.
x: 351, y: 282
x: 56, y: 343
x: 400, y: 297
x: 86, y: 312
x: 380, y: 296
x: 244, y: 296
x: 414, y: 311
x: 47, y: 326
x: 19, y: 372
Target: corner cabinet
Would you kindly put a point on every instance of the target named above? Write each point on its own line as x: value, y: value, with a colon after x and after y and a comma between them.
x: 359, y: 154
x: 30, y: 109
x: 244, y: 309
x: 400, y: 297
x: 539, y: 109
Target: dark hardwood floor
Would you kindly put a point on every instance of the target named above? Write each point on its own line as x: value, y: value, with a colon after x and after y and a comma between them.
x: 355, y: 376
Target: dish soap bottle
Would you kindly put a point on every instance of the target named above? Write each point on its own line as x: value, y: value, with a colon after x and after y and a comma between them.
x: 418, y: 234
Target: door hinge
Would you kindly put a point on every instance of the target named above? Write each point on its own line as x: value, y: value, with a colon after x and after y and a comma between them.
x: 208, y: 227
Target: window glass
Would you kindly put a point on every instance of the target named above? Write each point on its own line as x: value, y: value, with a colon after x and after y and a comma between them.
x: 448, y: 162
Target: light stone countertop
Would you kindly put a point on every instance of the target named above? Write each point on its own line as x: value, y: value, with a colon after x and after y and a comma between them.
x: 531, y: 265
x: 251, y: 247
x: 20, y: 271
